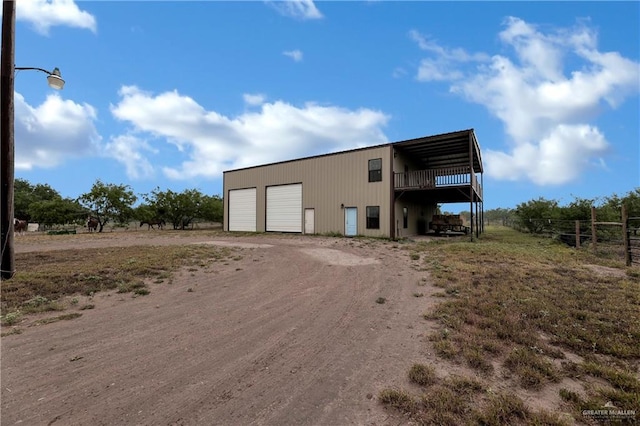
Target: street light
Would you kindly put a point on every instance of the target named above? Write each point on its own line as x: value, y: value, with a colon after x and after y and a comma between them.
x: 53, y: 77
x: 7, y: 147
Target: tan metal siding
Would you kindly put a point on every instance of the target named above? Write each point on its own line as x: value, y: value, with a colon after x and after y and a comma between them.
x: 327, y: 183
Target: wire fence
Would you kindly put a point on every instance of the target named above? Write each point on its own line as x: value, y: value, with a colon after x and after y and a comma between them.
x: 607, y: 239
x: 633, y: 241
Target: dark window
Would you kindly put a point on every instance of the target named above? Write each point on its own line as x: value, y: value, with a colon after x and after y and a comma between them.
x: 373, y: 217
x: 405, y: 217
x: 375, y: 170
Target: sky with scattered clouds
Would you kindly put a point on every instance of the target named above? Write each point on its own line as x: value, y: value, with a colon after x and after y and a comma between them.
x: 171, y: 94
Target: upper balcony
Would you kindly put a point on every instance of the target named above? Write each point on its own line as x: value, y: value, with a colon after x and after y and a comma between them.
x: 447, y: 177
x: 446, y: 165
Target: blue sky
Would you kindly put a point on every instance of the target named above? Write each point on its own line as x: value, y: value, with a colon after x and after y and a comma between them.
x: 171, y: 94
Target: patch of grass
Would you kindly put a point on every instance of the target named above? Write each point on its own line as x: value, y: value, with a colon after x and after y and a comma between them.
x: 14, y: 330
x: 622, y: 380
x: 446, y: 349
x: 508, y: 409
x: 399, y: 400
x: 423, y: 375
x: 459, y: 400
x: 64, y: 317
x: 40, y: 304
x: 331, y: 234
x: 521, y: 301
x: 464, y: 385
x: 569, y: 396
x: 55, y: 274
x: 531, y: 368
x: 11, y: 318
x: 477, y: 359
x: 515, y: 288
x: 418, y: 294
x: 131, y: 286
x: 442, y: 406
x: 87, y: 306
x: 414, y: 256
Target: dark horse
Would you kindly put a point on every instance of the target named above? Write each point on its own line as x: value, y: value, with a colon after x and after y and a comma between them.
x: 92, y: 224
x: 153, y: 222
x: 19, y: 226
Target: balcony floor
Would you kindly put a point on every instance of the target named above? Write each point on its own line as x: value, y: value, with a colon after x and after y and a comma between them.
x: 440, y: 194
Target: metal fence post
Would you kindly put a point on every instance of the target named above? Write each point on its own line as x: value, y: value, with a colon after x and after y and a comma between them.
x: 626, y: 235
x: 593, y: 228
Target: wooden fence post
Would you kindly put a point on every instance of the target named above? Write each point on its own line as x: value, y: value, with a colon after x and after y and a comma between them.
x: 626, y: 236
x: 577, y: 234
x: 593, y: 228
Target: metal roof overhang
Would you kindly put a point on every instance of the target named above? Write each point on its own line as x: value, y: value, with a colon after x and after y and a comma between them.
x: 455, y: 149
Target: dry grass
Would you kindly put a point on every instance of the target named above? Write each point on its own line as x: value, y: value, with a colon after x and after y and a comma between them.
x: 525, y: 304
x: 44, y: 278
x: 459, y: 400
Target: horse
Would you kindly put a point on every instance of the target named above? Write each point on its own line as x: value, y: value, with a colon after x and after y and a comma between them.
x: 153, y: 222
x: 92, y: 224
x: 19, y: 226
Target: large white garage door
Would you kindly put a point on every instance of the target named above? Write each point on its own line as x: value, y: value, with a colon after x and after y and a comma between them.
x: 242, y: 210
x: 284, y: 208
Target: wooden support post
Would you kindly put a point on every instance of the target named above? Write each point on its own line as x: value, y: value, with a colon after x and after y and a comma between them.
x: 593, y: 229
x: 471, y: 218
x: 577, y: 234
x: 626, y: 236
x: 7, y: 143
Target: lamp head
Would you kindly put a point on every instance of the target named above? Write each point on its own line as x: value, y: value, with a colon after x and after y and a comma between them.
x: 55, y: 80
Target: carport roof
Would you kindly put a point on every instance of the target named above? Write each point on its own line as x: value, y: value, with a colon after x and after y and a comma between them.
x: 455, y: 149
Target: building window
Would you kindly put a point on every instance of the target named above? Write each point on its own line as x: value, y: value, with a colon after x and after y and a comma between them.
x: 405, y: 217
x: 375, y: 170
x: 373, y: 217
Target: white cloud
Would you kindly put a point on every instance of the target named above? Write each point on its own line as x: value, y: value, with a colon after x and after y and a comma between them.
x: 299, y: 9
x: 546, y: 112
x: 457, y: 55
x: 126, y: 149
x: 437, y: 70
x: 52, y: 132
x: 279, y: 131
x: 254, y: 99
x: 296, y: 55
x: 44, y: 14
x: 557, y: 158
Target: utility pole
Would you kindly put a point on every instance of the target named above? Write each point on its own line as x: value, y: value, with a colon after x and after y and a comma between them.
x: 7, y: 147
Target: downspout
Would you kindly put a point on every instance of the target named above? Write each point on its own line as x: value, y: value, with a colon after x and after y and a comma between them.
x: 482, y: 199
x: 392, y: 198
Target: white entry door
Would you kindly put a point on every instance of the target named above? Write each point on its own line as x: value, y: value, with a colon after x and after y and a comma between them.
x: 309, y: 221
x: 350, y: 221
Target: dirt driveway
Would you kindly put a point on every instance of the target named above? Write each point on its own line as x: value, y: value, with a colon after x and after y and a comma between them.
x: 291, y: 334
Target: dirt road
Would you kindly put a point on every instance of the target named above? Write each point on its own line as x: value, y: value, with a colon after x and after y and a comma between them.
x: 291, y: 334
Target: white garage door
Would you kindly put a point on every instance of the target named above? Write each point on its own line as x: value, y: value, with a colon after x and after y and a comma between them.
x: 242, y: 210
x: 284, y: 208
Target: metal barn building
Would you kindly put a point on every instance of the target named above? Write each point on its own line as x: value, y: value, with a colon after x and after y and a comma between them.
x: 381, y: 191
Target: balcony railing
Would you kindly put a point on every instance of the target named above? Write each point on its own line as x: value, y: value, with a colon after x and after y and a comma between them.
x: 437, y: 178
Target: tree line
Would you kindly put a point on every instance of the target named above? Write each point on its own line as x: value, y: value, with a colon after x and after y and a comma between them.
x: 539, y: 215
x: 115, y: 204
